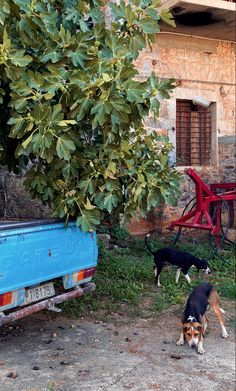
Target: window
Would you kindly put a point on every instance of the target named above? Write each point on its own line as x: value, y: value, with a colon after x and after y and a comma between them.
x: 193, y: 134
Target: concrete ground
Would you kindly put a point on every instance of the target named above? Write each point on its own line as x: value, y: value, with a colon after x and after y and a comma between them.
x: 59, y: 354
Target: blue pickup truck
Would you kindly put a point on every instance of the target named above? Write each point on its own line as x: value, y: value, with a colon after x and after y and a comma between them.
x: 42, y: 264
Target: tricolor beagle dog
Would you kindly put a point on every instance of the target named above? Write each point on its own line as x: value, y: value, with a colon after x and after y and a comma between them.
x: 194, y: 321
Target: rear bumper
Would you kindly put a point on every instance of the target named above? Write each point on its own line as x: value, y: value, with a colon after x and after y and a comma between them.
x: 46, y: 304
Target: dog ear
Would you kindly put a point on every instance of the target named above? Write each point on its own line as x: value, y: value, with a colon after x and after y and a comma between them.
x: 201, y: 330
x: 196, y: 325
x: 200, y: 327
x: 180, y: 324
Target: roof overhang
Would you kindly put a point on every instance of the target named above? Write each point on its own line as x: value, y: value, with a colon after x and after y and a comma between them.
x: 203, y: 18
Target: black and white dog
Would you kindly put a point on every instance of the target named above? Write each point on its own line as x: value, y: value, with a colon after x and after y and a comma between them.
x: 181, y: 259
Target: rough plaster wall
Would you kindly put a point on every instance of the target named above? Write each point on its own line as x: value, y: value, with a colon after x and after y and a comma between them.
x: 200, y: 67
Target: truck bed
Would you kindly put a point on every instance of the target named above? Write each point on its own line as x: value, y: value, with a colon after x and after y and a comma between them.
x: 35, y: 251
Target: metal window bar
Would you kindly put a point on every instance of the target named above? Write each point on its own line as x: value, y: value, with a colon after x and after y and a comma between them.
x: 193, y: 134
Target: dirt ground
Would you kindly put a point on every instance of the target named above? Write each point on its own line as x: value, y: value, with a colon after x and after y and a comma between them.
x: 54, y: 353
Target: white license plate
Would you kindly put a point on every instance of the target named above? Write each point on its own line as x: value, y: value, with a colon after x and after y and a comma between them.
x: 38, y: 293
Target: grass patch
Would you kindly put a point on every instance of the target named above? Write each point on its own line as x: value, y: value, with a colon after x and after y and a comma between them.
x: 125, y: 282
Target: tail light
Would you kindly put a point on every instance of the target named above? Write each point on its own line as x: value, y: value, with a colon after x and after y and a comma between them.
x: 86, y: 273
x: 6, y: 299
x: 77, y: 278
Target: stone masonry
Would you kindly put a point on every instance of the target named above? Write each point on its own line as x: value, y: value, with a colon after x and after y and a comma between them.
x: 15, y: 201
x: 200, y: 66
x: 204, y: 67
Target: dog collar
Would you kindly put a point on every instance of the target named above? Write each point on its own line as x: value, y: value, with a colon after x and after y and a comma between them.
x: 191, y: 319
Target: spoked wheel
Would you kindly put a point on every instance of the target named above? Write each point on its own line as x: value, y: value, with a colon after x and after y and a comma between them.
x: 222, y: 214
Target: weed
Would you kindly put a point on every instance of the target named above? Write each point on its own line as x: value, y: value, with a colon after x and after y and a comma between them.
x: 120, y: 234
x: 124, y: 278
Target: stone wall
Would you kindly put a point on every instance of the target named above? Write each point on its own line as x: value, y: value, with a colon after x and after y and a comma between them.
x: 162, y: 217
x: 227, y: 157
x: 15, y: 201
x: 201, y: 67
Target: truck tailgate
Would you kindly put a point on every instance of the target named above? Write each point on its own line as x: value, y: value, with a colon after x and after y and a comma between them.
x: 33, y: 253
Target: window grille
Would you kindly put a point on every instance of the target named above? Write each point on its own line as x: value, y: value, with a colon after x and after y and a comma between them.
x: 193, y: 134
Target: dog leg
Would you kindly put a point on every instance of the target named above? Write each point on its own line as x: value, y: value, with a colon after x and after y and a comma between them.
x: 181, y: 339
x: 157, y: 275
x: 224, y: 331
x: 177, y: 275
x: 187, y: 278
x: 219, y: 316
x: 214, y: 301
x: 158, y: 281
x: 204, y: 323
x: 157, y: 271
x: 200, y: 349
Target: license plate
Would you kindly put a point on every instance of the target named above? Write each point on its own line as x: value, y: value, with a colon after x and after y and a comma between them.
x: 38, y: 293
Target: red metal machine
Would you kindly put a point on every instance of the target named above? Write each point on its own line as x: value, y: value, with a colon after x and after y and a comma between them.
x: 206, y: 212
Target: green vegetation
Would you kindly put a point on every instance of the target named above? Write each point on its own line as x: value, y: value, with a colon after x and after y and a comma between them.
x: 74, y: 108
x: 125, y: 282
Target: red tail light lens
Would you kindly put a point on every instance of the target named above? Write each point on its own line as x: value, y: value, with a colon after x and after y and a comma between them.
x: 86, y: 273
x: 5, y: 299
x: 89, y: 272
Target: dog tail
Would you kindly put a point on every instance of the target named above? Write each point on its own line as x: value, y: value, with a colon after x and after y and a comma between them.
x: 147, y: 245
